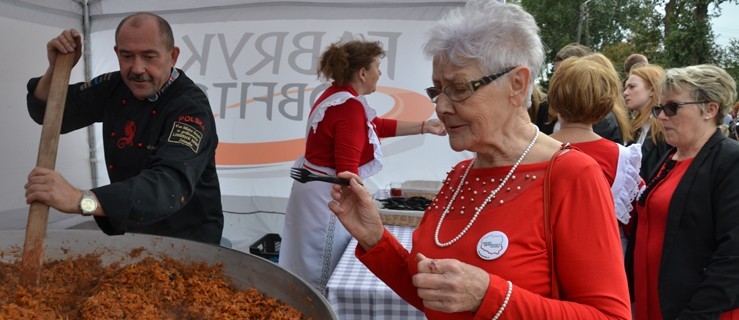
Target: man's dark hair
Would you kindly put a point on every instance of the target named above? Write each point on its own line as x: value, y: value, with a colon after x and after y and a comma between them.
x: 634, y: 59
x: 571, y: 50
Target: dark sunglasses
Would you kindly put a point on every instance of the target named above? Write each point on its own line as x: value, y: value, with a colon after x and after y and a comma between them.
x: 459, y: 92
x: 670, y: 109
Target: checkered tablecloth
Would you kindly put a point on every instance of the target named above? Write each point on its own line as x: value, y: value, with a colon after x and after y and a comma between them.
x: 355, y: 293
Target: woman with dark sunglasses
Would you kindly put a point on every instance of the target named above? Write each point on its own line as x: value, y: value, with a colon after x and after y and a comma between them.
x: 686, y: 254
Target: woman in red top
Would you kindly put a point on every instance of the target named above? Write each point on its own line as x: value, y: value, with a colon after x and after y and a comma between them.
x: 481, y: 250
x: 686, y: 255
x: 343, y: 135
x: 582, y: 92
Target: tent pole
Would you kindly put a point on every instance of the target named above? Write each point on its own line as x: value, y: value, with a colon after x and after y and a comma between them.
x: 91, y: 141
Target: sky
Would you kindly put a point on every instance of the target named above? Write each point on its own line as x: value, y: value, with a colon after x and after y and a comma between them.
x: 726, y: 27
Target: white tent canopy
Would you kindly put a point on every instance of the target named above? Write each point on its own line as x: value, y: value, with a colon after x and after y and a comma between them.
x: 256, y: 61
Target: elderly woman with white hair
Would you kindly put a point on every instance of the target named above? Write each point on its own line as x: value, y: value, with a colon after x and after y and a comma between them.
x: 525, y: 229
x: 686, y: 254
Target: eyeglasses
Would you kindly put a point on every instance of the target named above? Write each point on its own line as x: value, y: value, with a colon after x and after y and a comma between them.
x: 459, y: 92
x: 670, y: 109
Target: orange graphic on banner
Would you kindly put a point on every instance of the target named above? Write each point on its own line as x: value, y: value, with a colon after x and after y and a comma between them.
x: 408, y: 106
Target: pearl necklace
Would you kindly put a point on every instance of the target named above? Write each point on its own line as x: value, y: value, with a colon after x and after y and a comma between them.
x: 484, y: 203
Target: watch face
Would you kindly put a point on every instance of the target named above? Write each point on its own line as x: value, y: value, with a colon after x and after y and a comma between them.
x: 88, y: 205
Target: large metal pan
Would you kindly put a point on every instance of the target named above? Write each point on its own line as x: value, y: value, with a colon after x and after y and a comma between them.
x: 246, y: 270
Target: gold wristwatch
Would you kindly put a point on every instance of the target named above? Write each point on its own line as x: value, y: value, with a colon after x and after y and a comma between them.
x: 88, y: 204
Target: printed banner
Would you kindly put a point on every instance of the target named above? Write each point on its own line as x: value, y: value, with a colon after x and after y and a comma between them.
x: 260, y: 78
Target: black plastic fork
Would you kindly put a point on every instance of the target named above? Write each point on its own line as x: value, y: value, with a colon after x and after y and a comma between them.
x: 303, y: 175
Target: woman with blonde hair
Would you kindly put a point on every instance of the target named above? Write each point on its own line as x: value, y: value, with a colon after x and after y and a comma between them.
x: 537, y: 97
x: 619, y: 105
x: 641, y: 93
x: 686, y: 253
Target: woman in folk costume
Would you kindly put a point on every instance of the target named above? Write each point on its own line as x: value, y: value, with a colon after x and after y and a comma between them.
x: 582, y: 92
x: 343, y: 135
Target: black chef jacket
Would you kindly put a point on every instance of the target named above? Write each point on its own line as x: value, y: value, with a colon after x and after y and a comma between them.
x: 159, y: 153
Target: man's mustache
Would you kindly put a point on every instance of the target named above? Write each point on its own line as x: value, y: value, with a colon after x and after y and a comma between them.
x: 139, y: 77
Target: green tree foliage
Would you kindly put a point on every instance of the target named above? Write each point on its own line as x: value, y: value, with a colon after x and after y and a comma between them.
x: 688, y: 38
x: 560, y: 21
x: 671, y: 33
x: 645, y: 29
x: 728, y: 58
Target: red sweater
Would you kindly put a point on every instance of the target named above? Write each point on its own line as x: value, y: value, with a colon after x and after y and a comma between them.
x: 588, y: 258
x: 341, y: 140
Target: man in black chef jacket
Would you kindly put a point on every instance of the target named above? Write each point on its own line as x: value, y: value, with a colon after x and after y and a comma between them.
x: 159, y: 138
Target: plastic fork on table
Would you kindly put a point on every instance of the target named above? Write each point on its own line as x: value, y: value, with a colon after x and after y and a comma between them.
x: 303, y: 175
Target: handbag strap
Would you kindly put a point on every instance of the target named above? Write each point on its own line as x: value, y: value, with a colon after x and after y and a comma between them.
x: 547, y: 221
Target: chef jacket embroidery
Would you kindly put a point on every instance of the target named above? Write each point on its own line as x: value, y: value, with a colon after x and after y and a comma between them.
x: 96, y: 81
x: 129, y: 131
x: 186, y: 135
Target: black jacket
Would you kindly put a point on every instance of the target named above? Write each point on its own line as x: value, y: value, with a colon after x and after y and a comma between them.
x: 651, y: 157
x: 159, y: 152
x: 699, y: 269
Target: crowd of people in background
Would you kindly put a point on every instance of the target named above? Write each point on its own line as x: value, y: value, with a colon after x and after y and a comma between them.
x: 680, y: 233
x: 680, y: 245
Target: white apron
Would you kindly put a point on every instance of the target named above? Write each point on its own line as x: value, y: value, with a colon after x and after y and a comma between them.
x: 313, y: 239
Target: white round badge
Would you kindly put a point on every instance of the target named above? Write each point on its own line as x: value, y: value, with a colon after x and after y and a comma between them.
x: 492, y: 245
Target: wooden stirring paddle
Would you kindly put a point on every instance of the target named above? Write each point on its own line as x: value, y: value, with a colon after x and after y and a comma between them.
x: 38, y: 214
